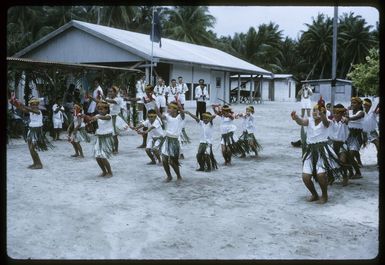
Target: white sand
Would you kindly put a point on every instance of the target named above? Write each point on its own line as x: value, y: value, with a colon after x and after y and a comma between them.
x: 254, y: 209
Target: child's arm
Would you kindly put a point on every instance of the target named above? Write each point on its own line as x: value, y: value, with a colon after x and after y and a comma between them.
x: 180, y: 110
x: 215, y: 106
x: 24, y: 108
x: 192, y: 116
x: 324, y: 119
x: 160, y: 115
x: 110, y: 101
x: 101, y: 117
x: 147, y: 131
x: 357, y: 116
x: 298, y: 120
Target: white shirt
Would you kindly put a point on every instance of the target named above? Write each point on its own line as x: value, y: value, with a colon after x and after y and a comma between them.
x: 104, y: 126
x: 174, y: 125
x: 78, y: 120
x: 172, y: 93
x: 206, y: 135
x: 306, y: 94
x: 227, y: 125
x: 160, y: 90
x: 182, y: 88
x: 248, y: 123
x: 58, y: 115
x: 157, y: 131
x: 356, y: 124
x: 370, y: 121
x: 140, y: 89
x: 151, y: 104
x: 338, y: 131
x: 115, y: 107
x: 92, y: 106
x: 316, y: 133
x: 199, y: 93
x: 36, y: 120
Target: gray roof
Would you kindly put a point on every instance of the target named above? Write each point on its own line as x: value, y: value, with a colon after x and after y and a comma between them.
x: 326, y: 81
x: 171, y: 50
x: 275, y: 76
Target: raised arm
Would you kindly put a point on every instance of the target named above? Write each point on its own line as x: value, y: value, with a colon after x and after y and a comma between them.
x: 324, y: 119
x: 298, y: 120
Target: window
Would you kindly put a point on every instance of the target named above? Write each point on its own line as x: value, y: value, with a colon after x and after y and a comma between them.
x: 316, y: 89
x: 340, y: 89
x: 218, y: 82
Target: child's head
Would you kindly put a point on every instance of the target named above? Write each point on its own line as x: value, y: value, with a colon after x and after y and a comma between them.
x: 112, y: 91
x: 250, y: 109
x: 356, y: 103
x: 316, y: 112
x: 226, y: 109
x: 173, y: 108
x: 151, y: 115
x: 206, y: 117
x: 103, y: 107
x: 77, y: 109
x: 329, y: 106
x: 34, y: 102
x: 338, y: 111
x: 149, y: 89
x: 367, y: 104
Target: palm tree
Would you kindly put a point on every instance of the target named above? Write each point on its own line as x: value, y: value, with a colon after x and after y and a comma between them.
x: 355, y: 41
x: 189, y: 24
x: 316, y: 44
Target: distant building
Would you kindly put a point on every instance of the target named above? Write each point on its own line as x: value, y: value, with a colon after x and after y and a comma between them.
x: 322, y: 87
x: 86, y: 43
x: 279, y: 87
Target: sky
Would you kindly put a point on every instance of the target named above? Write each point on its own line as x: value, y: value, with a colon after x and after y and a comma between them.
x: 291, y: 19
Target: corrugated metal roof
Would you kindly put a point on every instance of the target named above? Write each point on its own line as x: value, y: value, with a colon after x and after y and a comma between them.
x: 171, y: 50
x: 70, y: 65
x: 275, y: 76
x: 325, y: 80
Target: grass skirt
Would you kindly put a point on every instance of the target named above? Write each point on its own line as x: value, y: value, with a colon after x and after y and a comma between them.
x: 355, y: 139
x: 104, y: 145
x: 205, y: 152
x: 156, y: 143
x: 171, y: 147
x: 250, y: 144
x: 236, y: 147
x: 36, y: 136
x: 369, y: 137
x: 80, y: 136
x: 323, y: 151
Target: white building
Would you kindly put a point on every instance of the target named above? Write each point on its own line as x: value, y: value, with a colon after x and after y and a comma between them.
x: 81, y: 42
x: 322, y: 87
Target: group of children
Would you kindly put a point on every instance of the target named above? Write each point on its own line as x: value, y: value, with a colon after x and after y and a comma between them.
x: 333, y: 142
x: 331, y: 149
x: 164, y: 131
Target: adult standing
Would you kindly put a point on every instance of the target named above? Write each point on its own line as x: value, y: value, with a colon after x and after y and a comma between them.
x: 160, y: 91
x: 201, y: 95
x: 97, y: 94
x: 305, y: 93
x: 140, y: 93
x: 182, y: 89
x: 172, y: 92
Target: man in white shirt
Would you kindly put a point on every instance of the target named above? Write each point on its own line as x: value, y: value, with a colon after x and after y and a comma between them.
x: 182, y: 89
x: 140, y: 93
x: 97, y: 94
x: 201, y: 95
x: 57, y: 118
x: 160, y: 91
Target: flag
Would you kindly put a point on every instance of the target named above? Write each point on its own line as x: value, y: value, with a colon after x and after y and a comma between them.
x: 157, y: 29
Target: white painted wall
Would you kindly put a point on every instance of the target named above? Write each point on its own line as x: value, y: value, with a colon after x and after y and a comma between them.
x: 281, y: 90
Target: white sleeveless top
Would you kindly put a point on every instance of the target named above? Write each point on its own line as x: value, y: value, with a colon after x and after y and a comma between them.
x: 36, y: 120
x: 78, y: 120
x: 115, y: 107
x: 104, y: 126
x: 316, y: 133
x: 174, y: 125
x: 357, y: 124
x: 338, y: 131
x: 206, y: 135
x: 248, y: 123
x: 227, y: 125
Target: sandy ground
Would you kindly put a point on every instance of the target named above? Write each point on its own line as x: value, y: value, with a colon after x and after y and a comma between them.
x: 254, y: 209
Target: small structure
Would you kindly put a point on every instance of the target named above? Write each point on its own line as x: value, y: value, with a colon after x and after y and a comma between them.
x: 278, y: 87
x: 322, y: 87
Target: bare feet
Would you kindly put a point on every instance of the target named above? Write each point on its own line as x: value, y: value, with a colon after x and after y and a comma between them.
x: 168, y: 179
x: 356, y: 176
x: 75, y: 155
x: 151, y: 163
x: 313, y: 198
x: 345, y: 181
x: 322, y: 200
x: 38, y: 166
x: 31, y: 166
x: 103, y: 174
x: 108, y: 175
x: 199, y: 169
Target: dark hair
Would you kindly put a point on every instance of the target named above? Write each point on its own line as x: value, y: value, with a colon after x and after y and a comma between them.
x: 339, y: 106
x: 71, y: 87
x: 179, y: 77
x: 97, y: 79
x: 367, y: 100
x: 151, y: 111
x: 201, y: 80
x: 173, y: 80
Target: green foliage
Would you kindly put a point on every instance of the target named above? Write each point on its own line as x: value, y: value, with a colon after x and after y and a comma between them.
x: 365, y: 76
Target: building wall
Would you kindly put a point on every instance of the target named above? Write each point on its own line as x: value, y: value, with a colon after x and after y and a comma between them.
x: 281, y: 90
x: 343, y: 92
x: 75, y: 46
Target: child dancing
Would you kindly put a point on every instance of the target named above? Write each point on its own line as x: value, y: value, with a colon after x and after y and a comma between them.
x: 319, y: 159
x: 247, y: 139
x: 35, y: 137
x: 205, y: 156
x: 171, y: 146
x: 154, y: 135
x: 77, y: 132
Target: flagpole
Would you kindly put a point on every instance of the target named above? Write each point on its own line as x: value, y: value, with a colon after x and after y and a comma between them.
x: 152, y: 44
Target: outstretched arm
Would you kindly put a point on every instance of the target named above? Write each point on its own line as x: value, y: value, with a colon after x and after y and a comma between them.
x: 192, y: 116
x: 298, y: 120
